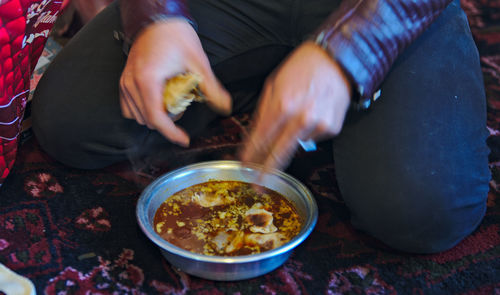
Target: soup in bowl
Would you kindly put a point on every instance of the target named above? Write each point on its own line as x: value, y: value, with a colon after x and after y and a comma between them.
x: 211, y: 220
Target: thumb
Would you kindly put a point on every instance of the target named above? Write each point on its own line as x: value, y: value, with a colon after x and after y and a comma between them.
x: 216, y: 96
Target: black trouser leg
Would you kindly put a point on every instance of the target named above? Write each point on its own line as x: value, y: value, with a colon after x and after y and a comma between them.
x: 414, y: 169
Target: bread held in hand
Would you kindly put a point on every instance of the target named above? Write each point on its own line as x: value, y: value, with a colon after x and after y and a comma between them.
x: 180, y: 91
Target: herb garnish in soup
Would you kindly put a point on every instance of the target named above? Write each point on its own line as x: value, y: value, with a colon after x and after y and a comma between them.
x: 227, y: 218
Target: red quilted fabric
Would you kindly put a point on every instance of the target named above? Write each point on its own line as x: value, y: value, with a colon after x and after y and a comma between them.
x: 24, y: 28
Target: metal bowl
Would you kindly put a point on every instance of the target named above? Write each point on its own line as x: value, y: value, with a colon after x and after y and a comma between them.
x: 218, y: 267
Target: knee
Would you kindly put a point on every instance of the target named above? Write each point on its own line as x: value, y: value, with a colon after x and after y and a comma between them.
x: 76, y: 138
x: 57, y: 135
x: 427, y: 220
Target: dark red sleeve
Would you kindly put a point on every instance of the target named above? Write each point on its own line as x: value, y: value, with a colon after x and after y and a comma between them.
x: 366, y: 36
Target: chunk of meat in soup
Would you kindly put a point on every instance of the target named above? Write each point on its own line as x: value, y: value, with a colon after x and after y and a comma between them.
x: 212, y: 199
x: 236, y: 242
x: 260, y: 219
x: 266, y: 241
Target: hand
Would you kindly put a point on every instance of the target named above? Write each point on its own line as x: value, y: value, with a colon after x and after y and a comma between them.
x: 306, y: 98
x: 161, y: 51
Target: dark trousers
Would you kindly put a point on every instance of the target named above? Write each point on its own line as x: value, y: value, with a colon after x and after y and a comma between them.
x: 413, y: 169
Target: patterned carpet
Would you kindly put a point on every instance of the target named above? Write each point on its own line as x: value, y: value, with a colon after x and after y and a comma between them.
x: 74, y: 232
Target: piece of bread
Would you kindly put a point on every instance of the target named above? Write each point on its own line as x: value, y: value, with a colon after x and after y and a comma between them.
x: 180, y: 91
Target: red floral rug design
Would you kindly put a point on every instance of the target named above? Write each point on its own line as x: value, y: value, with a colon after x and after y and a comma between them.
x: 74, y: 232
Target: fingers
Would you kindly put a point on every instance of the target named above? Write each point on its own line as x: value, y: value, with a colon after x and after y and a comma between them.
x: 284, y: 144
x: 278, y: 150
x: 167, y: 128
x: 273, y: 141
x: 129, y: 112
x: 216, y: 96
x: 282, y: 151
x: 267, y: 124
x: 154, y: 58
x: 318, y: 133
x: 307, y: 98
x: 129, y: 108
x: 126, y: 111
x: 150, y: 87
x: 133, y: 92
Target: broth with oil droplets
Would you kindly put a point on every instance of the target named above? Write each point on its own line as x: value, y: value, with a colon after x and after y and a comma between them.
x: 227, y: 218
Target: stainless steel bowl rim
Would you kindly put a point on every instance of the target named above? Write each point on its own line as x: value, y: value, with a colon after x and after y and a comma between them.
x: 309, y: 223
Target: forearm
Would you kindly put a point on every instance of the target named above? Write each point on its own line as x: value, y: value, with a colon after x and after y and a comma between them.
x: 137, y: 14
x: 366, y: 36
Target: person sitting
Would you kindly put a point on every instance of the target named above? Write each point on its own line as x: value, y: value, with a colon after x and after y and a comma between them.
x: 396, y: 84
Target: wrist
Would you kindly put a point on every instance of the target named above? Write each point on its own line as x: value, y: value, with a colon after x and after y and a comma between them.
x: 341, y: 75
x: 362, y: 97
x: 154, y: 28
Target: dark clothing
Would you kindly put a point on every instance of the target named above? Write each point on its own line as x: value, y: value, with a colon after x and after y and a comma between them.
x: 413, y: 169
x: 363, y: 36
